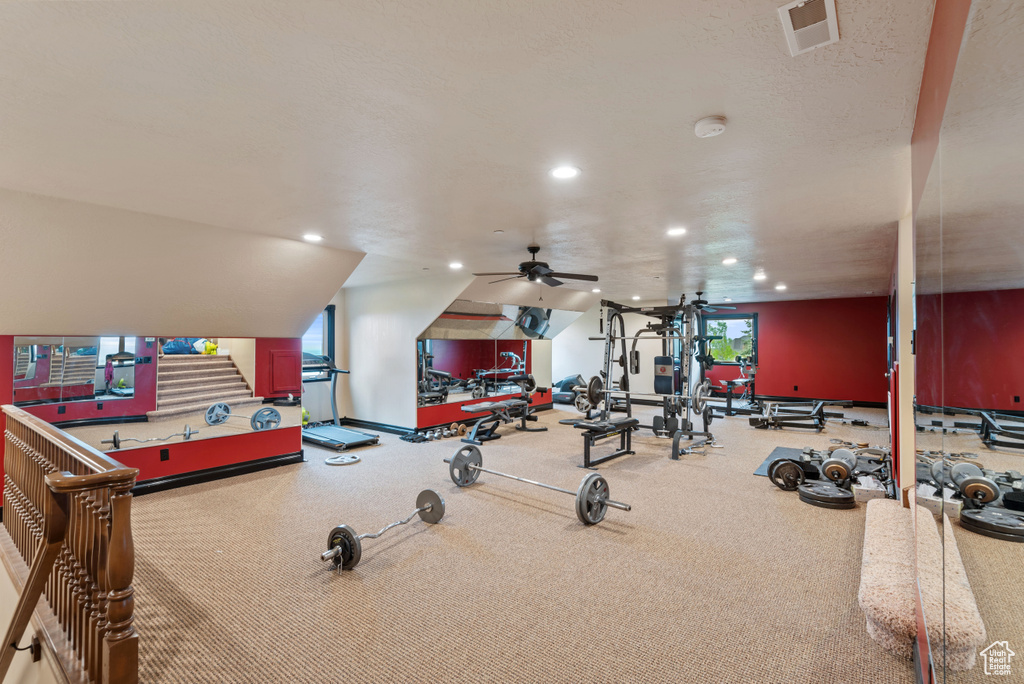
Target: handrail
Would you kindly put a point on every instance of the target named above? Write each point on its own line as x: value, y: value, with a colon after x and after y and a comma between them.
x: 66, y: 536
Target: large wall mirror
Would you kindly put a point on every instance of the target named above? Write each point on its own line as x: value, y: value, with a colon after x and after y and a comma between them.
x: 127, y: 392
x: 970, y: 379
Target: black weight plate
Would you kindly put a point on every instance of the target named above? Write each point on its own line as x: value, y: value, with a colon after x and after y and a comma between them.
x: 459, y: 469
x: 967, y: 524
x: 351, y: 548
x: 595, y: 390
x: 993, y: 519
x: 826, y: 492
x: 436, y: 512
x: 811, y: 471
x: 1014, y: 501
x: 659, y: 424
x: 785, y: 474
x: 590, y: 498
x: 826, y: 504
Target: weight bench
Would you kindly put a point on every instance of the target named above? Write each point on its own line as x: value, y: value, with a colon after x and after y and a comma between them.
x: 596, y: 430
x: 730, y: 386
x: 500, y: 412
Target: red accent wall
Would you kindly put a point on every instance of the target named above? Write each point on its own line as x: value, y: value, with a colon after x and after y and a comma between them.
x: 445, y: 414
x: 202, y: 454
x: 278, y: 367
x: 828, y: 348
x: 978, y: 364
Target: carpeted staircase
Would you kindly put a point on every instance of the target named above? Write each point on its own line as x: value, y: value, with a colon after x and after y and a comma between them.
x: 192, y: 382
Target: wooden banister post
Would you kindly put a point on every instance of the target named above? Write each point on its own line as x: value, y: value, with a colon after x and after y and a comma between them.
x: 55, y: 518
x: 120, y: 643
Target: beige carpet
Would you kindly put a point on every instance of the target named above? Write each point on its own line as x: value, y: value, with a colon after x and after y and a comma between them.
x: 715, y: 575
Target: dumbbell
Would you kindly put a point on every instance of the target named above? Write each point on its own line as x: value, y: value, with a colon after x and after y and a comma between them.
x: 839, y: 466
x: 973, y: 484
x: 266, y: 418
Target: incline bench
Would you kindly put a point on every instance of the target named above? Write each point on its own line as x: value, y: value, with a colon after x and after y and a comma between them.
x: 596, y: 430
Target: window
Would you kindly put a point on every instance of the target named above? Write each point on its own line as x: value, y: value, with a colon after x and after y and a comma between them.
x: 112, y: 345
x: 738, y: 334
x: 318, y: 342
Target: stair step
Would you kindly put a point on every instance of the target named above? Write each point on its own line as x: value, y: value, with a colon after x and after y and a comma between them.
x: 204, y: 397
x: 236, y: 404
x: 211, y: 373
x: 168, y: 391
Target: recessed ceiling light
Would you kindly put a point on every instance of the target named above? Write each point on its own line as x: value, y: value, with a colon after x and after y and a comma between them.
x: 676, y: 231
x: 455, y: 265
x: 728, y: 299
x: 729, y: 261
x: 563, y: 172
x: 312, y: 237
x: 780, y: 286
x: 760, y: 275
x: 596, y: 290
x: 636, y: 297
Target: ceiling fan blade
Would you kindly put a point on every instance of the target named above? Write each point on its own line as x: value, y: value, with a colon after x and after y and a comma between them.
x: 540, y: 271
x: 501, y: 280
x: 719, y: 306
x: 574, y: 276
x: 548, y: 280
x: 506, y: 273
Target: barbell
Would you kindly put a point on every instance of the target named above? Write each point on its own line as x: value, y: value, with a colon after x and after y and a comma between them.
x: 117, y: 439
x: 267, y: 418
x: 595, y: 394
x: 592, y: 500
x: 345, y: 548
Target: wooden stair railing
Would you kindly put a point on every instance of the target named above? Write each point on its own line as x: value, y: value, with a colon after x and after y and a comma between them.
x: 66, y: 536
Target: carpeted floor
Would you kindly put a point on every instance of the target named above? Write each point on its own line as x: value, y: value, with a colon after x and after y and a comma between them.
x: 715, y: 575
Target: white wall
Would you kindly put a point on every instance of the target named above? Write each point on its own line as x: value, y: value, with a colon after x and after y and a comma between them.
x: 382, y: 323
x: 242, y: 351
x: 540, y: 362
x: 23, y: 670
x: 135, y: 274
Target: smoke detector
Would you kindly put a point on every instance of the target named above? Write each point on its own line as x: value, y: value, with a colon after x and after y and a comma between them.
x: 709, y: 126
x: 809, y: 24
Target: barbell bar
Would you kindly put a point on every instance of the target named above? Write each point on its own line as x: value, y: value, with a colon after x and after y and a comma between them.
x: 117, y: 439
x: 592, y: 500
x: 345, y: 548
x: 267, y: 418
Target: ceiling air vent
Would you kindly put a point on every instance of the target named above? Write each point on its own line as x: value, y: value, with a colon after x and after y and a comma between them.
x: 809, y: 24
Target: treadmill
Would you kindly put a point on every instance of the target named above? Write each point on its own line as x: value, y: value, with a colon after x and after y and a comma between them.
x: 333, y: 436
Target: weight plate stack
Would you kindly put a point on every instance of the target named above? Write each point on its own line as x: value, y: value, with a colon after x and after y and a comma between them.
x: 826, y: 495
x: 995, y: 522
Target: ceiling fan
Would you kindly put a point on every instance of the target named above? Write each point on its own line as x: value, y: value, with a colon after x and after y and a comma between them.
x: 534, y: 270
x: 703, y: 305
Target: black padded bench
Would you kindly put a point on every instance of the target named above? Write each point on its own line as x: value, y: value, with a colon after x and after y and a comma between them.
x: 498, y: 412
x: 596, y: 430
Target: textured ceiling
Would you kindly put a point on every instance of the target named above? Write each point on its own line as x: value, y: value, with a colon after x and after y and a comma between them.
x: 412, y: 131
x: 978, y: 171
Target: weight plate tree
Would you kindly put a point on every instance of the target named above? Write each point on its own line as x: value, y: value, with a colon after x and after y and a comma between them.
x: 345, y: 548
x: 592, y: 500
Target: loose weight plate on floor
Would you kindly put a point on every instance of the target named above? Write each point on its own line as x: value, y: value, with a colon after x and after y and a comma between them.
x: 826, y: 495
x: 993, y: 521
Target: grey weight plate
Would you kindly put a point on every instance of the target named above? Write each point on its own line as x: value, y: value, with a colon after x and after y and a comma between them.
x: 980, y: 489
x: 993, y: 519
x: 825, y: 492
x: 188, y: 432
x: 785, y: 474
x: 595, y: 390
x: 266, y: 418
x: 218, y: 413
x: 341, y: 460
x: 827, y: 504
x: 478, y: 393
x: 351, y: 548
x: 461, y: 474
x: 581, y: 403
x: 590, y: 498
x: 436, y: 512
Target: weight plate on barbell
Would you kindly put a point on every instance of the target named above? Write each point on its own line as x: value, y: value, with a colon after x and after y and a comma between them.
x: 265, y: 419
x: 116, y: 440
x: 436, y: 512
x: 786, y: 474
x: 218, y: 413
x: 478, y: 393
x: 341, y: 459
x: 351, y: 548
x: 581, y: 403
x: 595, y: 390
x: 590, y: 498
x: 459, y: 469
x: 187, y: 434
